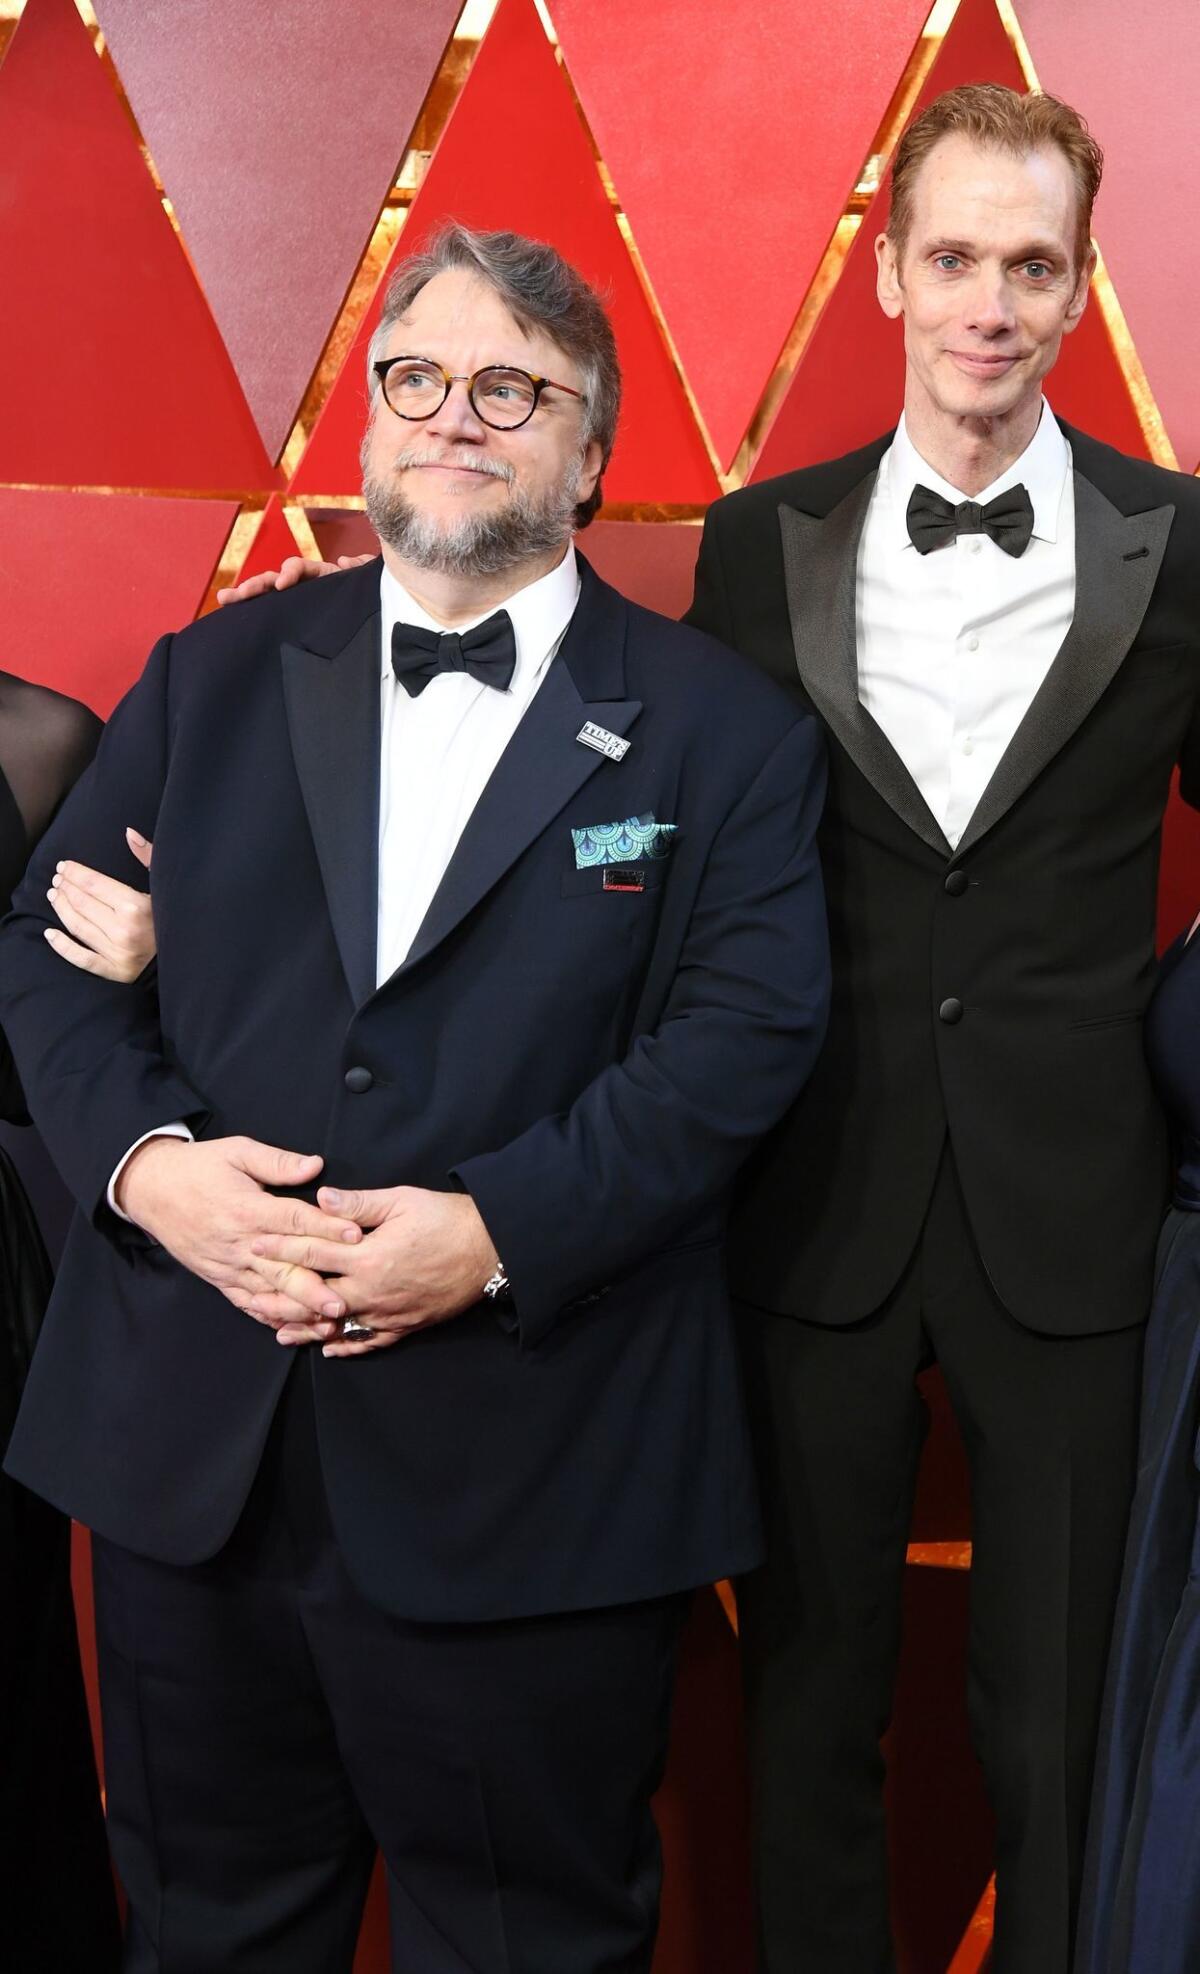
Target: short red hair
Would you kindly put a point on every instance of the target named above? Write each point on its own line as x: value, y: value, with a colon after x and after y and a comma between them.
x: 1004, y: 120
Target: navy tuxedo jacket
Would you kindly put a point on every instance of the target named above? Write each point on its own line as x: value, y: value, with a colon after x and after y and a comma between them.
x: 592, y: 1065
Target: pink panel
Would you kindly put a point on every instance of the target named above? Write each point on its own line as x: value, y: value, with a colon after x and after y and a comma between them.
x: 343, y: 531
x: 113, y: 373
x: 276, y: 134
x: 849, y: 385
x: 733, y: 140
x: 652, y: 562
x: 89, y: 581
x: 1134, y: 72
x: 513, y: 155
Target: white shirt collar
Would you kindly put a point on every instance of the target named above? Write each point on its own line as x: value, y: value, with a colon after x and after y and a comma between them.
x: 540, y: 614
x: 1042, y: 468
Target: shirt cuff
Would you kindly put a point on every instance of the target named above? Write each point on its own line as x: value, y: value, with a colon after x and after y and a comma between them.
x: 176, y: 1130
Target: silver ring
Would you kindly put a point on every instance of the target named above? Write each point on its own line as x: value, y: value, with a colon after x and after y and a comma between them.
x: 353, y: 1332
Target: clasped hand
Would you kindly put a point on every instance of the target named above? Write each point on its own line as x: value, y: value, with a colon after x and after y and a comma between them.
x: 423, y: 1258
x: 394, y: 1260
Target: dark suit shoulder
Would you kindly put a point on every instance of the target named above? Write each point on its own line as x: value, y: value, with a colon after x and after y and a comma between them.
x: 1133, y: 484
x: 812, y: 489
x: 667, y: 659
x: 322, y: 614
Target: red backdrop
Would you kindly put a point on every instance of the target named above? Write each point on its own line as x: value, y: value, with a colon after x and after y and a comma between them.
x: 197, y: 208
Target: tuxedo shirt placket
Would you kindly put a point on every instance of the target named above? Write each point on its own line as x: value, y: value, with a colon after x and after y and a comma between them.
x: 954, y: 645
x: 439, y: 748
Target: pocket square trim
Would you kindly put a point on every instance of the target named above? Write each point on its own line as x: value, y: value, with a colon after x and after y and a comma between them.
x: 636, y: 839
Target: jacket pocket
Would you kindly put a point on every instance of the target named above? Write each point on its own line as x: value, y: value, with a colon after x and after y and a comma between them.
x: 1123, y: 1018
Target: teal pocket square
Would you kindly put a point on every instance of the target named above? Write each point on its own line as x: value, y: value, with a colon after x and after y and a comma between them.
x: 636, y: 840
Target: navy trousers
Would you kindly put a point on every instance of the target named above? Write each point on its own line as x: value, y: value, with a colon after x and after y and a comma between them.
x: 266, y: 1729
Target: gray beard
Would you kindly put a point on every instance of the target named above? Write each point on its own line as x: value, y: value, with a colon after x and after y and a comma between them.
x: 475, y: 544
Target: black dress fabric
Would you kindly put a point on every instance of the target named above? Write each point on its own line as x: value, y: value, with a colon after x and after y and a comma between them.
x: 57, y: 1908
x: 1141, y: 1909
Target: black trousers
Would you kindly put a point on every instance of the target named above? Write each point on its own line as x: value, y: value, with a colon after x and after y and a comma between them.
x: 1050, y: 1429
x: 265, y: 1728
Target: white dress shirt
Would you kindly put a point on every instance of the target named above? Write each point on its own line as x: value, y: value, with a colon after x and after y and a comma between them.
x: 953, y: 645
x: 437, y: 753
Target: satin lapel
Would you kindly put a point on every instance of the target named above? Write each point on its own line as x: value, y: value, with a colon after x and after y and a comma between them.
x: 333, y: 720
x: 539, y: 771
x: 1117, y: 560
x: 820, y: 560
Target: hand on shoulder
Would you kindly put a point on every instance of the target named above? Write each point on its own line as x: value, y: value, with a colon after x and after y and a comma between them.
x: 297, y: 569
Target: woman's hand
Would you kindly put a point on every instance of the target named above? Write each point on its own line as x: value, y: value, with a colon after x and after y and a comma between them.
x: 109, y: 925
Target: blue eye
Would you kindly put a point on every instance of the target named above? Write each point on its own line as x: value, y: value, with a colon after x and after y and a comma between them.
x: 948, y: 261
x: 1037, y: 268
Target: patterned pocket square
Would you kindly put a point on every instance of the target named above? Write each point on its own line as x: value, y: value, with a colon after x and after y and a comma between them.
x: 636, y: 840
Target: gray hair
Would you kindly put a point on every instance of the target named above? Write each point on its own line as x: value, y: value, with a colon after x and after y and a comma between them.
x: 541, y: 291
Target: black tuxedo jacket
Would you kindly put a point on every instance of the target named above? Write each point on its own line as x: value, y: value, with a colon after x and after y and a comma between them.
x: 591, y: 1064
x: 1038, y: 929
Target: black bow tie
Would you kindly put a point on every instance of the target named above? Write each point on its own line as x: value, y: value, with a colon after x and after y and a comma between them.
x: 488, y: 651
x: 932, y: 521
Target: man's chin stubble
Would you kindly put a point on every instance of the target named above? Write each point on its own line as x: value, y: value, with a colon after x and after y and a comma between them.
x: 472, y: 544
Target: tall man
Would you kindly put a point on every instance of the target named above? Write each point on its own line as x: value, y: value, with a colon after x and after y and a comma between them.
x: 998, y: 621
x: 502, y: 894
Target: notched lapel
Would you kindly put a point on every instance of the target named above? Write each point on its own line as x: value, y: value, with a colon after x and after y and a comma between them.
x: 539, y: 771
x: 820, y: 560
x: 333, y: 721
x: 1117, y: 560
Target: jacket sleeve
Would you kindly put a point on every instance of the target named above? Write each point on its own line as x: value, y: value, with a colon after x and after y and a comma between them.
x: 580, y: 1198
x: 90, y: 1053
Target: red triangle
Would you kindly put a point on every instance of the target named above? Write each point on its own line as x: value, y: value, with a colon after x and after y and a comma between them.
x: 849, y: 386
x: 114, y: 372
x: 89, y: 581
x: 786, y: 108
x: 514, y: 155
x: 266, y: 121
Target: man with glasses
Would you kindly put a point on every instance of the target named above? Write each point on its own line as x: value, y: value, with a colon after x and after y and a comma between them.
x: 390, y: 1359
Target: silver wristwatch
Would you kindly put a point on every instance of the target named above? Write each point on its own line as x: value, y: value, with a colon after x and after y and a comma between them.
x: 497, y: 1284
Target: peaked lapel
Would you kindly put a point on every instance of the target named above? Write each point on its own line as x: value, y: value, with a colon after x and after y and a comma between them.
x: 1117, y: 560
x: 820, y: 561
x: 332, y: 699
x: 543, y: 765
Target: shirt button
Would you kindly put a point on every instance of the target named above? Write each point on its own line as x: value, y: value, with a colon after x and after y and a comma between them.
x: 967, y: 747
x: 972, y: 644
x: 358, y: 1080
x: 950, y: 1011
x: 956, y: 882
x: 975, y: 544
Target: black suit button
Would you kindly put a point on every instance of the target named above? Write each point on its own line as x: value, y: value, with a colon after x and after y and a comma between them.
x: 956, y: 883
x: 359, y: 1080
x: 950, y: 1011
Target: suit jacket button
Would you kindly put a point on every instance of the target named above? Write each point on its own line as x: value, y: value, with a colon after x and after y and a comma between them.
x: 950, y: 1011
x: 359, y: 1080
x: 956, y: 882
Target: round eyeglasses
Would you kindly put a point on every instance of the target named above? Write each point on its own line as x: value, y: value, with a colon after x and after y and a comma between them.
x: 415, y: 388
